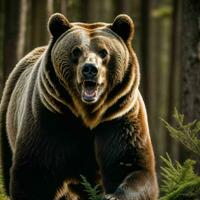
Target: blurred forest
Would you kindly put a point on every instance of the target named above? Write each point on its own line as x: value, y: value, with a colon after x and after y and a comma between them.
x: 167, y: 42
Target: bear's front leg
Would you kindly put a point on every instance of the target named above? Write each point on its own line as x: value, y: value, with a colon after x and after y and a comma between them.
x: 30, y: 182
x: 125, y: 156
x: 139, y: 185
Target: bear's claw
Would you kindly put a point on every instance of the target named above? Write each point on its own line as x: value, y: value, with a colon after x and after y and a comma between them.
x: 110, y: 197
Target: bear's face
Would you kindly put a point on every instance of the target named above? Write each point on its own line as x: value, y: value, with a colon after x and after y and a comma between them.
x: 89, y: 62
x: 90, y: 59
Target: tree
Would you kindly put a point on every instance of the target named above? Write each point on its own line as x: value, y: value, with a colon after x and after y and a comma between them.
x: 22, y: 29
x: 11, y: 33
x: 190, y: 59
x: 146, y: 7
x: 174, y: 74
x: 2, y: 15
x: 38, y: 22
x: 120, y: 7
x: 88, y: 10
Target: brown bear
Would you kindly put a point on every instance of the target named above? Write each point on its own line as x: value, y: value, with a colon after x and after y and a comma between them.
x: 73, y: 108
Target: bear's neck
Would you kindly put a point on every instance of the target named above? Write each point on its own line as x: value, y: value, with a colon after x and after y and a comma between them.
x: 52, y: 94
x: 108, y: 112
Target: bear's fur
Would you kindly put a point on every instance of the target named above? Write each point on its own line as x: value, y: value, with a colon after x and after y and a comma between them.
x: 73, y: 108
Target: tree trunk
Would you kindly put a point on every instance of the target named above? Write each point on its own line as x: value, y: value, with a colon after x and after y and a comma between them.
x: 174, y: 77
x: 145, y: 48
x: 56, y: 5
x: 88, y: 11
x: 2, y: 17
x: 22, y: 29
x: 50, y: 7
x: 38, y: 35
x: 155, y: 71
x: 36, y: 24
x: 11, y: 35
x: 120, y: 7
x: 190, y: 61
x: 104, y: 11
x: 37, y: 18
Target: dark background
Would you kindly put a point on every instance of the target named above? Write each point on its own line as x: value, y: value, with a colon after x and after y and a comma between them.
x: 167, y: 42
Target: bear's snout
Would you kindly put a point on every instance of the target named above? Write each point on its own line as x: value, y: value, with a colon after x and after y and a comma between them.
x: 89, y: 71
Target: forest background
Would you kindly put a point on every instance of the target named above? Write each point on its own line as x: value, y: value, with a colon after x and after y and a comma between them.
x: 167, y: 42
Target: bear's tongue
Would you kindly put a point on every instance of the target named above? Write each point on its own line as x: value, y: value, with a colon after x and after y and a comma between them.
x: 89, y: 93
x: 89, y: 90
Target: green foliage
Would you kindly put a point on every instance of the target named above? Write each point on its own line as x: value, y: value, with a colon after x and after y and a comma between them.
x: 93, y: 193
x: 179, y: 182
x: 187, y: 134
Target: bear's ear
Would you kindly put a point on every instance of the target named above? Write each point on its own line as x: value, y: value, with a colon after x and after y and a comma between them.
x: 124, y: 27
x: 58, y: 24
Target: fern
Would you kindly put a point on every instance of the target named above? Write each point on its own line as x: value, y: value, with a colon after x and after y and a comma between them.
x: 93, y: 193
x: 179, y: 182
x: 187, y: 134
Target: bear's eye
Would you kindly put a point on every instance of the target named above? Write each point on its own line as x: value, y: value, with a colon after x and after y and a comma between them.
x: 76, y: 52
x: 103, y: 53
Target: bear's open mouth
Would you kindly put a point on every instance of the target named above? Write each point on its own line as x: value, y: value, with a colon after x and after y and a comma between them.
x: 89, y: 90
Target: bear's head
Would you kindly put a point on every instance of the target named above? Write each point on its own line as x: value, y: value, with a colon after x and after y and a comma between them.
x: 96, y: 65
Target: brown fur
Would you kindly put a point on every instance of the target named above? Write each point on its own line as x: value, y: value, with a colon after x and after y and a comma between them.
x: 50, y: 136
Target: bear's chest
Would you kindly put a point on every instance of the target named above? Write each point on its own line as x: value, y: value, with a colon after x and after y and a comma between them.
x: 70, y: 146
